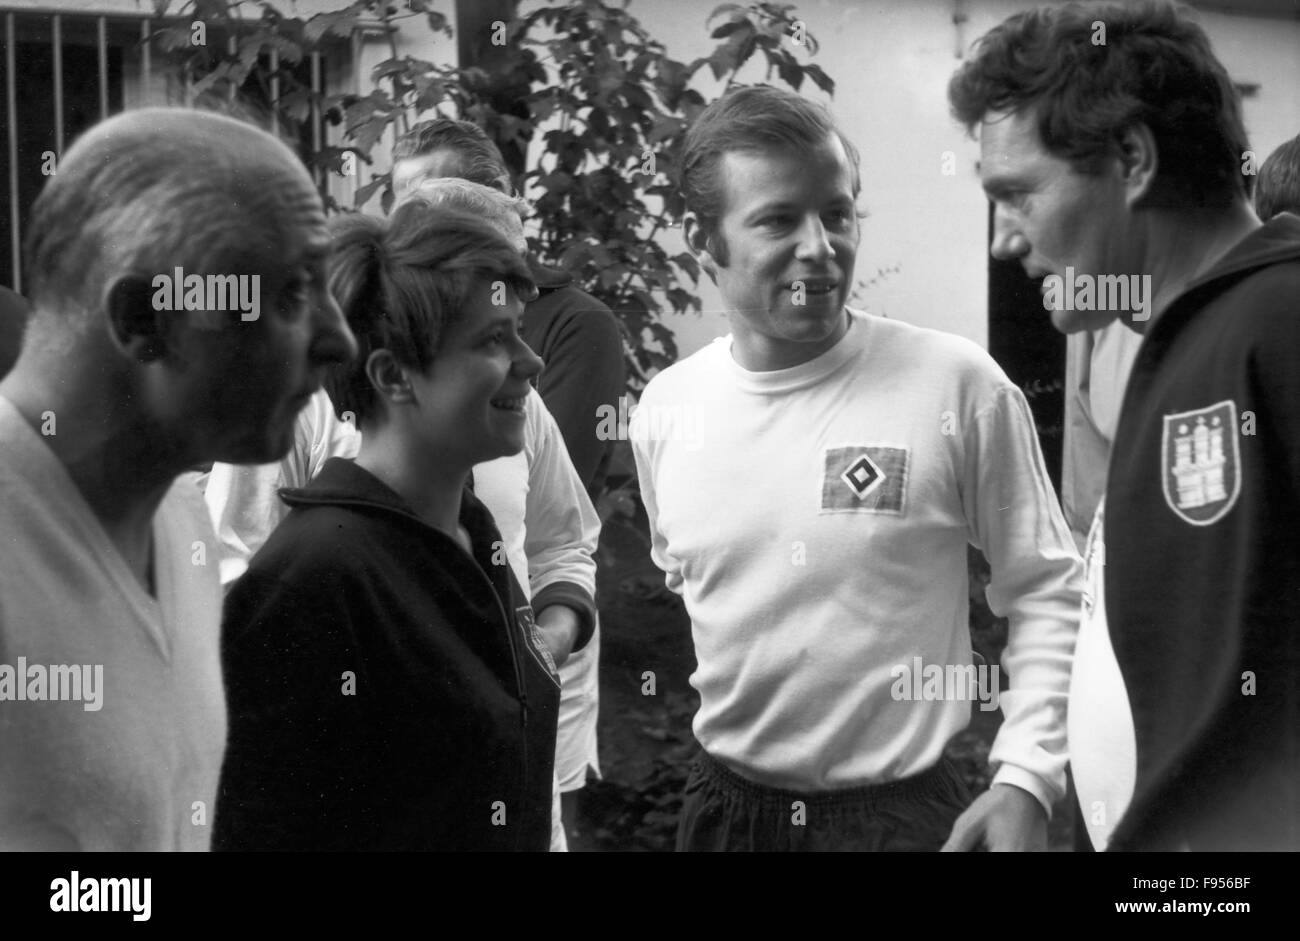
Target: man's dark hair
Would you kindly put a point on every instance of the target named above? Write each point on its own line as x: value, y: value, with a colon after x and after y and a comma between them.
x: 748, y: 120
x: 402, y: 281
x: 481, y: 161
x: 1278, y: 187
x: 1155, y: 68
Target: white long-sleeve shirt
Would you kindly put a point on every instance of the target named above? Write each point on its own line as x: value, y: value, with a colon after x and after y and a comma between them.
x: 815, y: 520
x: 1103, y: 744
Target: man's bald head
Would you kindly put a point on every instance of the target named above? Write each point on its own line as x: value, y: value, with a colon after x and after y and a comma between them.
x: 150, y: 190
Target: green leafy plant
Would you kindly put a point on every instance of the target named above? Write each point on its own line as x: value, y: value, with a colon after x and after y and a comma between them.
x: 582, y: 83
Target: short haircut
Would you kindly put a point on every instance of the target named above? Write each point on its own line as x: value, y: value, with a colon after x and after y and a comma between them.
x: 141, y: 193
x: 402, y: 281
x: 757, y: 119
x: 481, y: 161
x: 504, y: 213
x: 1156, y: 68
x: 1278, y: 187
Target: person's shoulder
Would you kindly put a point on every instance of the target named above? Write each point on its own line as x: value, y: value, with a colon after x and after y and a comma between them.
x: 1268, y: 300
x: 936, y: 355
x: 684, y: 377
x: 308, y: 579
x: 325, y: 541
x: 1255, y: 317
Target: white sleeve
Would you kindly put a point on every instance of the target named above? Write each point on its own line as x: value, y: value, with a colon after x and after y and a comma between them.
x: 645, y: 481
x: 242, y: 502
x: 1037, y: 579
x: 242, y: 498
x: 561, y: 528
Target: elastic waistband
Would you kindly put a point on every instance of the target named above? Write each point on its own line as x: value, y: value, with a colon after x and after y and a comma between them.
x: 933, y: 782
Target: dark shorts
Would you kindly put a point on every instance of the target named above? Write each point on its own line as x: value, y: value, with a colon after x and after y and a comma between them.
x: 723, y: 811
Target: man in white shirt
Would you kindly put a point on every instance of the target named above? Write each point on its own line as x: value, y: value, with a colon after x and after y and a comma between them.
x: 179, y: 316
x: 812, y: 482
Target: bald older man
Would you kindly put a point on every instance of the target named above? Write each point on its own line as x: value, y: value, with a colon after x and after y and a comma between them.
x: 179, y: 316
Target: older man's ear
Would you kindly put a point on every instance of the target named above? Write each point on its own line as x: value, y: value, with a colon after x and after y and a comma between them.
x: 135, y: 326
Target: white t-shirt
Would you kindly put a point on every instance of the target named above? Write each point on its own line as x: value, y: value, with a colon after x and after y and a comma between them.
x: 815, y: 520
x: 1103, y: 745
x: 132, y: 763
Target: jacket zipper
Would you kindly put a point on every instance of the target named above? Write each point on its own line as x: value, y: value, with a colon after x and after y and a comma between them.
x: 510, y: 637
x: 519, y: 675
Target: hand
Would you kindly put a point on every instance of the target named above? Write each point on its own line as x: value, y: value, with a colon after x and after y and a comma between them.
x: 559, y: 626
x: 1005, y: 818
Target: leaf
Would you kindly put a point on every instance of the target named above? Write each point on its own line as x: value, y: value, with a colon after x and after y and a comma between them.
x: 365, y: 193
x: 296, y: 105
x: 340, y: 23
x: 557, y: 182
x: 722, y: 61
x: 790, y: 72
x: 390, y: 67
x: 438, y: 23
x: 726, y: 29
x: 171, y: 39
x: 722, y: 8
x: 665, y: 128
x: 368, y: 134
x: 745, y: 51
x: 820, y: 79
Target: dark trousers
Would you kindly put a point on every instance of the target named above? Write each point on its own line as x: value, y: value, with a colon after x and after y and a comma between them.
x: 723, y: 811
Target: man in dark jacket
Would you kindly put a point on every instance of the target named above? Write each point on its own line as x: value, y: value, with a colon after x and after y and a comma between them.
x: 1112, y: 148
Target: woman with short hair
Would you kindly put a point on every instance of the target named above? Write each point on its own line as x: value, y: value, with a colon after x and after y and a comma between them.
x: 387, y: 686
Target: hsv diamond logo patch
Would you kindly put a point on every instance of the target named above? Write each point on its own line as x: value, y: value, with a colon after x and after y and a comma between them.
x: 865, y: 478
x: 1201, y: 462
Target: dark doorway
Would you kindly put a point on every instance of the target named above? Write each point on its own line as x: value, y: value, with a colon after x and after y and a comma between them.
x: 1026, y: 345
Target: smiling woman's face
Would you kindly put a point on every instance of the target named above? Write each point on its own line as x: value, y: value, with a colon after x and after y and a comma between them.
x: 471, y: 399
